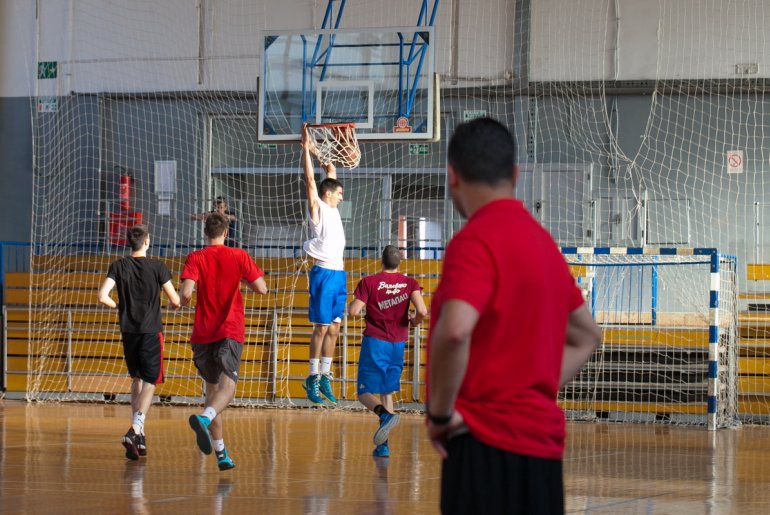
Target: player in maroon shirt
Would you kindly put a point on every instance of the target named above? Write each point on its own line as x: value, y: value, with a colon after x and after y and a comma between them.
x: 386, y: 296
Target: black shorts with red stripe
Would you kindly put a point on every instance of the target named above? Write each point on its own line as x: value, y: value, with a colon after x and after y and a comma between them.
x: 144, y: 356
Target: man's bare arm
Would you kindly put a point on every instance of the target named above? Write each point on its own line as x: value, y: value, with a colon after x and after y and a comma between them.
x: 104, y: 293
x: 448, y: 360
x: 186, y: 291
x: 449, y: 350
x: 330, y: 169
x: 258, y: 286
x: 311, y: 190
x: 168, y: 289
x: 355, y: 307
x: 421, y: 311
x: 583, y: 338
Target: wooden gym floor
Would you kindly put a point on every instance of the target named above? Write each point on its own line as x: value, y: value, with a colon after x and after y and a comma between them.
x: 66, y: 458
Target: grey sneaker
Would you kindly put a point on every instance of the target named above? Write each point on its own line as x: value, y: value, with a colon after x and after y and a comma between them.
x: 387, y: 422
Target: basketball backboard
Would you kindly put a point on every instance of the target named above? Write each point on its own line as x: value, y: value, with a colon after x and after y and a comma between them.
x: 382, y: 79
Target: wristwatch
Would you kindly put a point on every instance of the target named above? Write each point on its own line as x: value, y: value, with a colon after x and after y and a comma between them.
x: 440, y: 420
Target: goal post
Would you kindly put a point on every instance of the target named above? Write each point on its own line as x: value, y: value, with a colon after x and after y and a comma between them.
x: 669, y: 353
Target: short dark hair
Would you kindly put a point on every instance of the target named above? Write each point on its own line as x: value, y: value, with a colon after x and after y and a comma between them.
x: 328, y: 185
x: 391, y: 257
x: 216, y: 225
x: 482, y: 150
x: 137, y: 236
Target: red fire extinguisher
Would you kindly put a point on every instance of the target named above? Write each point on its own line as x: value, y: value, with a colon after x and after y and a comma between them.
x: 124, y: 194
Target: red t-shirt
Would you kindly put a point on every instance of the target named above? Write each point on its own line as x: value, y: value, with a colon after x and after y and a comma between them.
x: 510, y: 270
x: 387, y: 295
x: 217, y: 271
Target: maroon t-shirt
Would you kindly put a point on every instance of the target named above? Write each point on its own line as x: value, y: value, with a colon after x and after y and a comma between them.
x: 217, y: 271
x: 505, y: 265
x: 386, y: 296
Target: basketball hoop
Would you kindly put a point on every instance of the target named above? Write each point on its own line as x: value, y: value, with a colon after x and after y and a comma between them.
x: 336, y: 143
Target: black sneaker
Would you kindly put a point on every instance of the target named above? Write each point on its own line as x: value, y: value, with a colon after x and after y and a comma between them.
x: 131, y: 443
x: 141, y: 446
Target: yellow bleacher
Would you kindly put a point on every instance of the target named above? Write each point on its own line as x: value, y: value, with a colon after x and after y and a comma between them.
x: 79, y: 336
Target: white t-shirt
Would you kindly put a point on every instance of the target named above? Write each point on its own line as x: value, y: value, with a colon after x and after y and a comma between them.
x: 327, y: 245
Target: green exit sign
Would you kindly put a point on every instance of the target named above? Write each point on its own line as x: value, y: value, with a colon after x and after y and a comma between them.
x: 266, y: 146
x: 472, y: 115
x: 419, y: 149
x: 47, y: 69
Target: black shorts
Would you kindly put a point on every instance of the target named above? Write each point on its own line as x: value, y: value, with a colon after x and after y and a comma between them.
x: 216, y: 358
x: 144, y: 356
x: 478, y: 478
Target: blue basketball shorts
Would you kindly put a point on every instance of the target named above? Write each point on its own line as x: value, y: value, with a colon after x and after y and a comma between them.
x: 328, y: 295
x: 379, y: 366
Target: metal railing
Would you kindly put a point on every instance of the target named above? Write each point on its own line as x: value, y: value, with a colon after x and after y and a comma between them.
x: 69, y: 332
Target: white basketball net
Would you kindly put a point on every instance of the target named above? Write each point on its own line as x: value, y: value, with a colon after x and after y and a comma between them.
x: 336, y: 143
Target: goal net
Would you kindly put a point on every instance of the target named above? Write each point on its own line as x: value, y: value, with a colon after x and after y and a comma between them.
x: 639, y: 125
x: 669, y: 351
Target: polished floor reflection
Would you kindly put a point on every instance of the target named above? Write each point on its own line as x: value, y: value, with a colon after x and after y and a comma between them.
x: 660, y: 470
x: 66, y: 458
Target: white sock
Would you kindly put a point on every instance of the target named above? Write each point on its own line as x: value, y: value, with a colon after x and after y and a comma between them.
x: 209, y: 413
x: 219, y: 445
x: 314, y: 366
x: 326, y: 365
x: 138, y: 422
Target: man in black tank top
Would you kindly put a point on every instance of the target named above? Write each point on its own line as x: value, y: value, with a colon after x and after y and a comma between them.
x: 139, y: 280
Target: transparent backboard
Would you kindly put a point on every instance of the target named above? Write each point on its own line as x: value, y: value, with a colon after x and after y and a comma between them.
x: 381, y: 79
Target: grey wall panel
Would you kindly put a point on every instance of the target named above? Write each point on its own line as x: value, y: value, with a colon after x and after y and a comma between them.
x: 15, y: 168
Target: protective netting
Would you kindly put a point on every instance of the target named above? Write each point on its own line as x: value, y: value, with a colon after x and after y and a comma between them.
x: 639, y: 125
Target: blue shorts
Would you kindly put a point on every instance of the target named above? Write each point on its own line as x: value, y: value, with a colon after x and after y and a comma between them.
x: 328, y: 295
x: 379, y: 366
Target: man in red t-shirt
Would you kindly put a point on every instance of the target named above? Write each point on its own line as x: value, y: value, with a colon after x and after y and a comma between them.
x: 386, y: 296
x: 508, y: 329
x: 219, y: 328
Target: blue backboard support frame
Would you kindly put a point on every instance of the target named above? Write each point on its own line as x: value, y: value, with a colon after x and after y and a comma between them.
x: 401, y: 74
